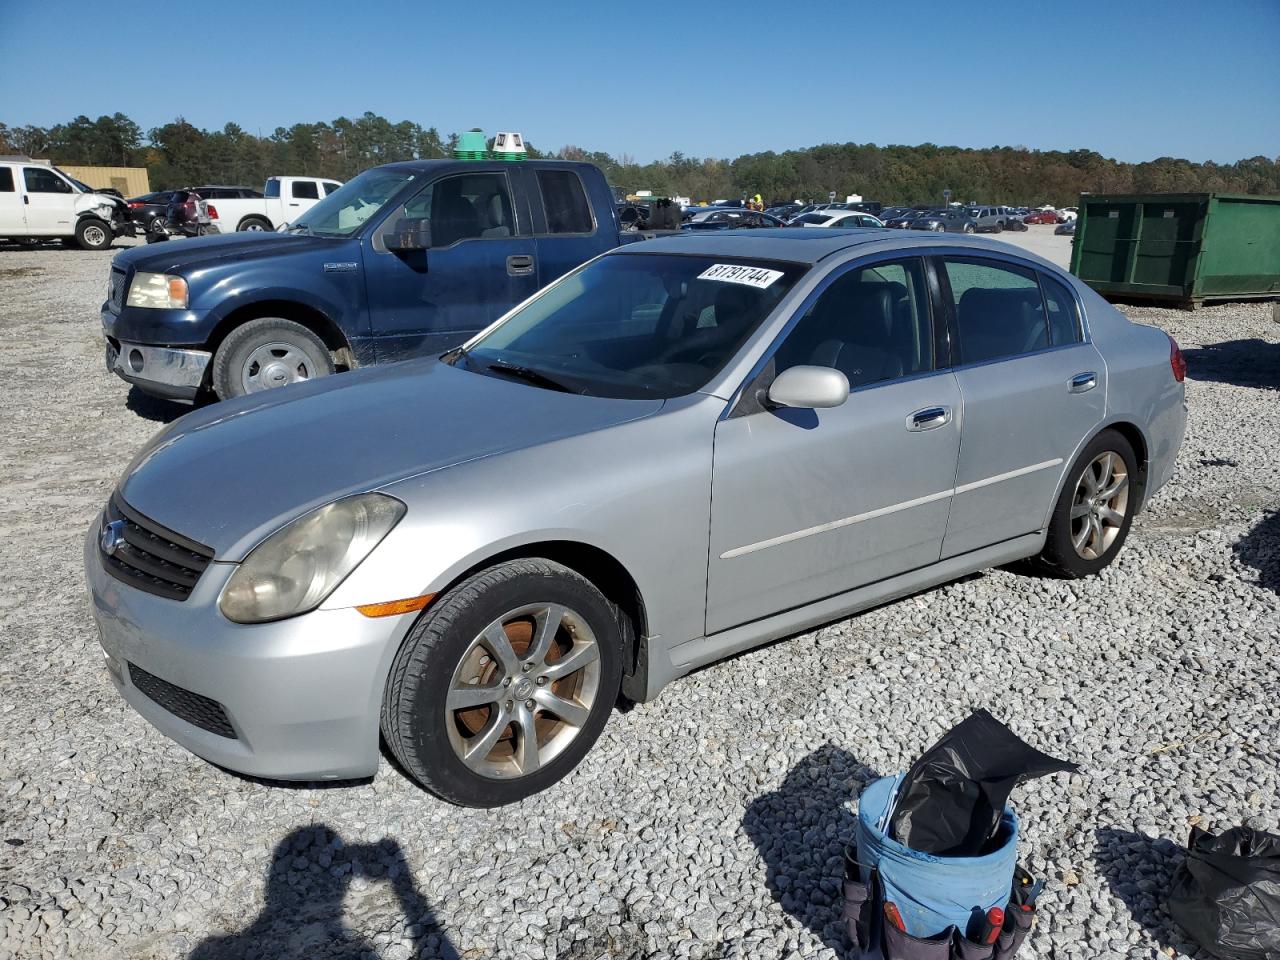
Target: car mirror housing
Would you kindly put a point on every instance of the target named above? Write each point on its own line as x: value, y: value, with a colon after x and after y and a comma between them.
x: 809, y: 388
x: 407, y: 234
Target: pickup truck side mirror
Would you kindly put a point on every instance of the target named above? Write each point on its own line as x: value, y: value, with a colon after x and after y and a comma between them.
x: 407, y: 234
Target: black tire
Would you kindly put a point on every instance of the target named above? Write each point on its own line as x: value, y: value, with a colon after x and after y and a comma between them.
x: 1059, y: 557
x: 158, y: 225
x: 999, y: 227
x: 93, y: 234
x: 414, y: 723
x: 228, y: 367
x: 969, y: 228
x: 254, y: 223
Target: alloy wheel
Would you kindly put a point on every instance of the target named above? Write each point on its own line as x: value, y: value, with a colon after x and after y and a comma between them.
x: 1099, y: 505
x: 522, y: 691
x: 274, y: 365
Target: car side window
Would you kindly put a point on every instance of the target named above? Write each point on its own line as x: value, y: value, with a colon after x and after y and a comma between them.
x: 565, y: 202
x: 330, y: 187
x: 44, y: 181
x: 871, y: 323
x: 1064, y: 319
x: 305, y: 190
x: 6, y: 180
x: 465, y: 207
x: 999, y: 310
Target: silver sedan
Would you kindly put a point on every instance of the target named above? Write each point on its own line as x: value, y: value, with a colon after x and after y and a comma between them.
x: 682, y: 449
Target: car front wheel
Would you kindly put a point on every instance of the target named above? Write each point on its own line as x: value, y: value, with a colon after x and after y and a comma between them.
x: 504, y: 683
x: 267, y: 353
x: 1095, y: 509
x: 93, y: 235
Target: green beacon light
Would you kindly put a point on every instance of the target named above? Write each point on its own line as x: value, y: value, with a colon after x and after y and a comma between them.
x: 472, y: 146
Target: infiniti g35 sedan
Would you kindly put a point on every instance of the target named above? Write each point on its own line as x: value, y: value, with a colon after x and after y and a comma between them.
x: 680, y: 450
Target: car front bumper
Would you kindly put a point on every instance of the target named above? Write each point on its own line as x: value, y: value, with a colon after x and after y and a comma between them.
x: 168, y: 372
x: 301, y: 695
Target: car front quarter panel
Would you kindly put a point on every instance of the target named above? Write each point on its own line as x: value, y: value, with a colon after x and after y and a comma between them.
x: 639, y: 491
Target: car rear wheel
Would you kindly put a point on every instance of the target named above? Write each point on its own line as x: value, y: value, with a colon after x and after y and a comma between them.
x: 254, y: 224
x: 1095, y: 509
x: 267, y: 353
x: 504, y: 683
x: 93, y: 235
x: 969, y: 228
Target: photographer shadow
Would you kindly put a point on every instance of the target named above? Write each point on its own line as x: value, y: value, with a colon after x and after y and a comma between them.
x: 801, y: 830
x: 303, y: 917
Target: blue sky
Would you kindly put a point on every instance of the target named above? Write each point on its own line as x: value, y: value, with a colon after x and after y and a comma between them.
x: 1130, y: 78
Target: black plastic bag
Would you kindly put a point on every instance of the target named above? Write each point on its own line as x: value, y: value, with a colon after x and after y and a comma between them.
x: 1226, y: 894
x: 951, y: 800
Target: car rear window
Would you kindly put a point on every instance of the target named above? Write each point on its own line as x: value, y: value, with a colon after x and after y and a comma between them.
x: 273, y: 187
x: 565, y: 202
x: 305, y: 190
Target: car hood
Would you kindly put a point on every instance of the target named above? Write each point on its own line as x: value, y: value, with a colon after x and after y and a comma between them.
x: 187, y: 256
x: 232, y: 473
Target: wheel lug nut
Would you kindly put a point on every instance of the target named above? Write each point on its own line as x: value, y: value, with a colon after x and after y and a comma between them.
x: 506, y: 682
x: 529, y: 704
x: 509, y: 704
x: 542, y: 681
x: 527, y: 667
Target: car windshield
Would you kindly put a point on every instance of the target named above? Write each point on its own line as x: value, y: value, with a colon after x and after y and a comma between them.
x: 345, y: 211
x: 634, y: 325
x: 82, y: 187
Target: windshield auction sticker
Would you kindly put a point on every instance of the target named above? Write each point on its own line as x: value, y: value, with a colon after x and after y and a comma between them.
x: 736, y: 273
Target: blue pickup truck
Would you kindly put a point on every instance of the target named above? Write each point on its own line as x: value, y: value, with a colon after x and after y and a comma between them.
x: 404, y: 260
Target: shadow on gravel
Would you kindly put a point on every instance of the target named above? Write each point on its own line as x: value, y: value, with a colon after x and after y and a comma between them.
x: 156, y: 408
x: 1139, y: 870
x: 801, y: 830
x: 1260, y: 549
x: 302, y: 919
x: 1244, y: 363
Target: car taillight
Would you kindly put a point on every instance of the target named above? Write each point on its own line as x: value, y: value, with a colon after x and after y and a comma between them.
x: 1176, y: 360
x: 213, y: 211
x: 135, y: 205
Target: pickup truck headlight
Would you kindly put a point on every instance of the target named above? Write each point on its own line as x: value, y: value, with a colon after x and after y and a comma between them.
x: 158, y: 290
x: 298, y: 566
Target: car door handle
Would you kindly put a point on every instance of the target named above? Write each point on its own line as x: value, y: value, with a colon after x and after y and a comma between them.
x: 930, y: 418
x: 294, y: 203
x: 1083, y: 382
x: 519, y: 265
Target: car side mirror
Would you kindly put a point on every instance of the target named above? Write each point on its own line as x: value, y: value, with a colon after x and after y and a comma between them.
x: 407, y: 234
x: 809, y: 388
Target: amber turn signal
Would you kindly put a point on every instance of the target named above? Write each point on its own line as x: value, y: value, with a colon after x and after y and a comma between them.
x: 393, y: 607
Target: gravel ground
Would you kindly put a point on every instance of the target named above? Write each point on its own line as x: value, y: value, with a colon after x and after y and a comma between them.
x: 706, y: 824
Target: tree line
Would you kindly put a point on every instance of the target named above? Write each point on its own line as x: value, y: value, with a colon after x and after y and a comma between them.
x: 180, y: 154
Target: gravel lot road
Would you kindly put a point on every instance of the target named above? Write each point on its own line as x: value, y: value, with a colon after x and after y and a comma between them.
x: 706, y: 824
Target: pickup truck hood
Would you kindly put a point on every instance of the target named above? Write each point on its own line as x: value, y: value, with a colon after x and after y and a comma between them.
x: 231, y: 474
x: 188, y: 256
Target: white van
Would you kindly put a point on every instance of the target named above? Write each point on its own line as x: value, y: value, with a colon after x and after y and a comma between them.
x: 40, y: 202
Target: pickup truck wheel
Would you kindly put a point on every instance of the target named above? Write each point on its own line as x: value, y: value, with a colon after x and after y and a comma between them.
x: 267, y: 353
x: 257, y: 224
x: 93, y: 234
x: 504, y: 683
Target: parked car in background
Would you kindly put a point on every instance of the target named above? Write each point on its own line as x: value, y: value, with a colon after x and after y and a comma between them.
x: 785, y: 211
x: 906, y: 219
x: 407, y: 259
x: 380, y: 565
x: 150, y: 211
x: 633, y: 216
x: 1016, y: 224
x: 286, y: 199
x: 40, y: 202
x: 836, y: 218
x: 892, y: 213
x: 954, y: 220
x: 730, y: 219
x: 987, y: 219
x: 1041, y: 216
x: 188, y: 214
x: 1067, y: 213
x: 1066, y: 228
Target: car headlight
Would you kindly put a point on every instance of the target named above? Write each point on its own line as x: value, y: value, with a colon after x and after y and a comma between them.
x: 298, y: 566
x: 158, y: 290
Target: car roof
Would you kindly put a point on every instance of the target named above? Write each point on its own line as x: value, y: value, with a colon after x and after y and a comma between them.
x: 811, y: 246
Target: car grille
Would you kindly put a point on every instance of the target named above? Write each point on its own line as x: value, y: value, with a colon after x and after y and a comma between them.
x: 150, y: 557
x: 116, y: 289
x: 197, y: 710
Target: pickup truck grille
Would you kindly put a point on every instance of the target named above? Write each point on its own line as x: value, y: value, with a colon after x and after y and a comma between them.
x: 116, y: 289
x: 147, y: 556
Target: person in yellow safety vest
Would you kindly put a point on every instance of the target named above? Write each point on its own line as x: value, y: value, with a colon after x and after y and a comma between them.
x: 759, y: 202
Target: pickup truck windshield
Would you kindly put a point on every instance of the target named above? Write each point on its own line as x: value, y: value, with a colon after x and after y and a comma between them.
x: 634, y: 325
x: 344, y: 211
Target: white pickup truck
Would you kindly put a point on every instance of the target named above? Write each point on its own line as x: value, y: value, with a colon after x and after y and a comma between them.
x: 286, y: 199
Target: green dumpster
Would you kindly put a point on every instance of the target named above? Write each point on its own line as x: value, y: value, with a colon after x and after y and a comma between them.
x: 1183, y: 247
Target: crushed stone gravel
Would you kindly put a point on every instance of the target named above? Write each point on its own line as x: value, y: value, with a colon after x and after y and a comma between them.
x: 708, y: 823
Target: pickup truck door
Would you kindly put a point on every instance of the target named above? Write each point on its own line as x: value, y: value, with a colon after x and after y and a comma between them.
x: 481, y: 263
x: 569, y: 228
x: 12, y: 220
x: 50, y: 203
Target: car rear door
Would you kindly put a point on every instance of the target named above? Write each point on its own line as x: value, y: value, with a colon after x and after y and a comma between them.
x: 808, y: 504
x: 566, y: 227
x: 1033, y: 389
x: 13, y: 222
